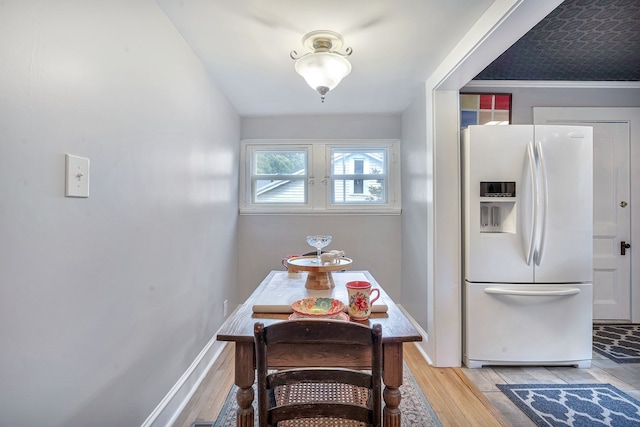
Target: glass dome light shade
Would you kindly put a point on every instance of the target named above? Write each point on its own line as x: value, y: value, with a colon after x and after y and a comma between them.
x: 323, y: 69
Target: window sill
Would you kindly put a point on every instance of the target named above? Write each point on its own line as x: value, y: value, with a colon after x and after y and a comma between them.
x: 325, y: 212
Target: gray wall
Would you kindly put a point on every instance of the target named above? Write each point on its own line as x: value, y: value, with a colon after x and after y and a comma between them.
x: 417, y: 185
x: 106, y: 301
x: 525, y: 98
x: 372, y: 241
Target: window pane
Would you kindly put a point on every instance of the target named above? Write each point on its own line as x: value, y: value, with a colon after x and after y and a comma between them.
x: 279, y: 176
x: 280, y: 162
x: 371, y: 160
x: 346, y: 191
x: 280, y: 191
x: 359, y: 176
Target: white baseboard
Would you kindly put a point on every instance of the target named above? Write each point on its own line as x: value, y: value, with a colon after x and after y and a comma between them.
x: 425, y: 336
x: 169, y: 409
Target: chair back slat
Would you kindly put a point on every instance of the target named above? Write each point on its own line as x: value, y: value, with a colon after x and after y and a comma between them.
x: 314, y: 392
x: 324, y: 375
x: 320, y: 410
x: 318, y: 332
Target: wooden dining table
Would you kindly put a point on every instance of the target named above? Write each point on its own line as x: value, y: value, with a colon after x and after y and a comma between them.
x: 271, y: 302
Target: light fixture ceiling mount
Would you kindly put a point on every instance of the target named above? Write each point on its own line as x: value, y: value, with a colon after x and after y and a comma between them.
x: 323, y: 67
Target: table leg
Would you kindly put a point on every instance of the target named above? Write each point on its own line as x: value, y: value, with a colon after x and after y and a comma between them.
x: 244, y: 378
x: 392, y: 377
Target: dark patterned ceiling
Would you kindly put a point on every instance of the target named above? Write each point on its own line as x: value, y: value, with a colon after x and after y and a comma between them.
x: 581, y: 40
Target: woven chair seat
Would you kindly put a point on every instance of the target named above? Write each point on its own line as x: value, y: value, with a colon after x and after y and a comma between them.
x: 320, y: 422
x: 321, y: 392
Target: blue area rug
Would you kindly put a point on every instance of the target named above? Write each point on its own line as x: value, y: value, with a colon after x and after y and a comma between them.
x: 620, y: 343
x: 578, y: 405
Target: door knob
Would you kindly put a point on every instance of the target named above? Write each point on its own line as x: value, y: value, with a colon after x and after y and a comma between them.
x: 623, y: 204
x: 623, y: 247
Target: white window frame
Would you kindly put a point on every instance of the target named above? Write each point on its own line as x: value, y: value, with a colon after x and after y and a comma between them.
x: 318, y: 196
x: 276, y: 148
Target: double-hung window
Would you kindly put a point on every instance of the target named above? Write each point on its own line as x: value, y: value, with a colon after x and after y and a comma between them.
x: 279, y: 175
x: 305, y: 176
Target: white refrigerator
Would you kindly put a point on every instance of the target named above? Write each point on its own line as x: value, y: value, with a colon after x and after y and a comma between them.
x: 528, y: 238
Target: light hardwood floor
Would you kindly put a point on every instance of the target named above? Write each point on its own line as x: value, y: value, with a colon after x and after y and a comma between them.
x: 458, y: 396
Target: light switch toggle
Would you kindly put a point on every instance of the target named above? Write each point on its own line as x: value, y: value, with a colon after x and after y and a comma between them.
x: 77, y: 176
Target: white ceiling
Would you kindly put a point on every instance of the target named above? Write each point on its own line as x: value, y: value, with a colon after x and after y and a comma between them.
x: 245, y: 44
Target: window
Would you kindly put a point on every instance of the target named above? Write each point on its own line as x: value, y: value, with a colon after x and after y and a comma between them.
x: 279, y: 176
x: 320, y: 176
x: 358, y: 175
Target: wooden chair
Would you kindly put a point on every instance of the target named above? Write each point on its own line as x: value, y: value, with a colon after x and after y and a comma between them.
x: 319, y: 396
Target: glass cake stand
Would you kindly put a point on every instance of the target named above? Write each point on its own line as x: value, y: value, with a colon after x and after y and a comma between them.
x: 319, y: 276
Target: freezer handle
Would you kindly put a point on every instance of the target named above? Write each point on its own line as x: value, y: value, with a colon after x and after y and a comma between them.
x: 531, y: 292
x: 545, y: 203
x: 534, y: 205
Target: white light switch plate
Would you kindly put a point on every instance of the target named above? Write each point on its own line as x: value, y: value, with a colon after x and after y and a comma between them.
x: 77, y: 173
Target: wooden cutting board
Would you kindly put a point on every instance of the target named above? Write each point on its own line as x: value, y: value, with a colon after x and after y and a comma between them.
x: 286, y: 288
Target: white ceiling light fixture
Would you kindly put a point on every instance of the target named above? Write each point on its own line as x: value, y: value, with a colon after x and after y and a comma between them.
x: 322, y: 68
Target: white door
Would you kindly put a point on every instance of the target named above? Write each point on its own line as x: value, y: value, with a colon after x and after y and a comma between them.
x: 611, y: 215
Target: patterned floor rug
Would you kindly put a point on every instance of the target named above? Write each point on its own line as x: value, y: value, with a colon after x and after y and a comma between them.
x: 576, y: 405
x: 620, y: 343
x: 416, y: 411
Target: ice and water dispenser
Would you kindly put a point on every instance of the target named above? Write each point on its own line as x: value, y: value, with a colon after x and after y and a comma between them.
x: 497, y: 207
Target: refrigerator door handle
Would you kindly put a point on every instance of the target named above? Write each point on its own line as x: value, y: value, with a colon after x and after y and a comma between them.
x: 545, y: 203
x: 534, y: 204
x: 532, y: 293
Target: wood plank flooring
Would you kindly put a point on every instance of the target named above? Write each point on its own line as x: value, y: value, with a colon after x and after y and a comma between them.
x: 458, y: 396
x: 207, y: 401
x: 455, y: 399
x: 625, y: 377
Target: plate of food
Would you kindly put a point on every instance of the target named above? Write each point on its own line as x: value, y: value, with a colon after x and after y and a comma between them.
x: 318, y: 307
